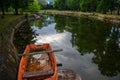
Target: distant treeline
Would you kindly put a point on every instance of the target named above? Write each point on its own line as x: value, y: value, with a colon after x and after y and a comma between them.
x: 18, y: 5
x: 102, y: 6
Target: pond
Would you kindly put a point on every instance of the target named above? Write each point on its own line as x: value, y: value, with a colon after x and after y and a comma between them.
x: 90, y: 47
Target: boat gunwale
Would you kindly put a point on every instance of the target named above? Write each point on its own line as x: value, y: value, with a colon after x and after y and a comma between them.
x: 22, y: 67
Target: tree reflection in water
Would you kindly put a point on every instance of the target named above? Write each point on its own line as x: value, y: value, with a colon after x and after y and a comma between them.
x: 23, y: 36
x: 109, y: 59
x: 93, y: 36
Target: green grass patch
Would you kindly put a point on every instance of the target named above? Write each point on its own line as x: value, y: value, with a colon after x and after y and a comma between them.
x: 5, y: 22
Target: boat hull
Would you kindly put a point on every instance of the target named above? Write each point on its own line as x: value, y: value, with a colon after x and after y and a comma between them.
x: 24, y: 59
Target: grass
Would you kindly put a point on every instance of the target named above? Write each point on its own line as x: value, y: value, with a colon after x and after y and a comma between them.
x: 4, y: 22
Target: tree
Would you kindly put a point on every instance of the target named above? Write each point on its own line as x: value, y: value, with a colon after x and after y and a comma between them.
x: 42, y: 3
x: 17, y: 4
x: 4, y: 4
x: 59, y: 4
x: 49, y: 5
x: 102, y: 7
x: 70, y: 4
x: 88, y: 5
x: 111, y: 5
x: 34, y: 6
x: 118, y: 6
x: 55, y: 4
x: 73, y: 4
x: 76, y: 4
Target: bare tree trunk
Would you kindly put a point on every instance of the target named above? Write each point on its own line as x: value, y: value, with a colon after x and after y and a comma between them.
x: 16, y: 11
x: 118, y: 11
x: 110, y: 11
x: 16, y: 7
x: 3, y: 10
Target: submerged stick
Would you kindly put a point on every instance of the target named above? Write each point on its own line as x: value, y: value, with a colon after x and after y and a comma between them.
x: 59, y: 64
x: 41, y: 52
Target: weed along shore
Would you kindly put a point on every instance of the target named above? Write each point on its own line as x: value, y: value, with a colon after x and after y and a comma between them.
x: 110, y: 18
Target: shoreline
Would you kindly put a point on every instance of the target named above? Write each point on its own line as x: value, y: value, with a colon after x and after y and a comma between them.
x: 110, y: 18
x: 8, y: 57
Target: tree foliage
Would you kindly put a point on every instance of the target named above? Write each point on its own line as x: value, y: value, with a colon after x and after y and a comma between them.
x: 4, y: 4
x: 73, y: 4
x: 60, y: 4
x: 106, y: 5
x: 42, y: 3
x: 88, y: 5
x: 102, y: 6
x: 34, y: 6
x: 15, y: 4
x: 117, y: 6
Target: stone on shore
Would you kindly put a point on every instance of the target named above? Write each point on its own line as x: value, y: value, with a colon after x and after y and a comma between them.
x: 66, y: 74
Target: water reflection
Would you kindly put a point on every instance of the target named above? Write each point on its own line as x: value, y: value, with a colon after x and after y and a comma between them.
x: 92, y: 36
x: 108, y: 60
x: 24, y: 36
x: 98, y: 43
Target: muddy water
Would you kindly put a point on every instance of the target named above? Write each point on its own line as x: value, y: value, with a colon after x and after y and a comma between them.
x: 90, y: 47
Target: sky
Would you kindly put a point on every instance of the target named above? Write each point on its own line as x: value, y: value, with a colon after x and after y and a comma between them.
x: 49, y: 0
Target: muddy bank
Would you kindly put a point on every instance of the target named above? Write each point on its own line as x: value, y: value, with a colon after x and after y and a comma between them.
x: 8, y: 53
x: 110, y: 18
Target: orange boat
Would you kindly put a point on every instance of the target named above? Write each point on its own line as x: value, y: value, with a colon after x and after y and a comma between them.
x: 39, y: 66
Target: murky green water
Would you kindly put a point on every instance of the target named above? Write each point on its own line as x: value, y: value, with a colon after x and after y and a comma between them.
x: 91, y: 47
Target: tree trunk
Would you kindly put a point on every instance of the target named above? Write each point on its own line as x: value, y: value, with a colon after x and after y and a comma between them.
x: 118, y: 10
x: 110, y: 11
x: 104, y: 12
x: 16, y: 11
x: 3, y: 11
